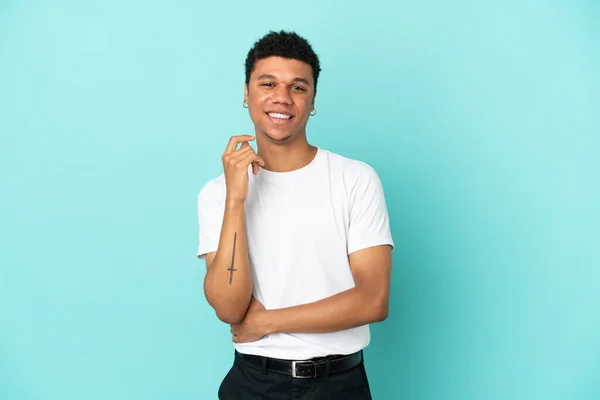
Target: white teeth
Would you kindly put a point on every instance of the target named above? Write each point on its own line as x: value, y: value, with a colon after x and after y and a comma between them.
x: 281, y: 116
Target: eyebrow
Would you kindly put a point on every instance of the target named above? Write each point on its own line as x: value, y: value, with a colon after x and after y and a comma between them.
x: 297, y: 79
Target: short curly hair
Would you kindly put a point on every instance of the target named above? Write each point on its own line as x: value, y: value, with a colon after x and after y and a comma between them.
x: 283, y: 44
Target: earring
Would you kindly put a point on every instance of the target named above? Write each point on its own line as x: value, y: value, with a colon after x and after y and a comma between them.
x: 244, y: 104
x: 313, y: 112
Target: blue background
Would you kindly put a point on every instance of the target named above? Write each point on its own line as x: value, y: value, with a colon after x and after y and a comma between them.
x: 481, y: 118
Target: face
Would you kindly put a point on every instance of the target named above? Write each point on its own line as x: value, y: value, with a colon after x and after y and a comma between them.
x: 280, y: 97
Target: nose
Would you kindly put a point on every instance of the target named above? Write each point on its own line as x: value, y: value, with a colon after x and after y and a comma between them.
x: 282, y: 95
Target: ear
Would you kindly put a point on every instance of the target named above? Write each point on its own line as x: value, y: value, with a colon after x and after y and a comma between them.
x: 245, y: 93
x: 314, y: 98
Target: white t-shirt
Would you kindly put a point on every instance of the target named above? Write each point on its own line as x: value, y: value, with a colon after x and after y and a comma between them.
x: 301, y: 226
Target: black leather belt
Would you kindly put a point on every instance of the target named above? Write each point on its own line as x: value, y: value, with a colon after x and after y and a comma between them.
x: 305, y: 368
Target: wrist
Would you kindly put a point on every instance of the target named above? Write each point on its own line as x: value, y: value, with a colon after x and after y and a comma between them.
x: 269, y: 323
x: 234, y: 204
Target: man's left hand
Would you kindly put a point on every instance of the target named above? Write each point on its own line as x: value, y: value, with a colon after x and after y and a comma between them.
x: 253, y: 326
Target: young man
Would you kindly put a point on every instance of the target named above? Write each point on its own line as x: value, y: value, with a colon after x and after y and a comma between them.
x: 296, y: 240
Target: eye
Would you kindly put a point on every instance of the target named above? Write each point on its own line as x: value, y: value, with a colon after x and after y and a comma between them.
x: 298, y: 88
x: 268, y: 84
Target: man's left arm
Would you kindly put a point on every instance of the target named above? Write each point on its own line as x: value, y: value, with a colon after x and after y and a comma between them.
x: 366, y: 303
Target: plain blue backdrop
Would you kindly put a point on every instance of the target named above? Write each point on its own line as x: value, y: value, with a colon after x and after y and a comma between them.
x: 481, y: 118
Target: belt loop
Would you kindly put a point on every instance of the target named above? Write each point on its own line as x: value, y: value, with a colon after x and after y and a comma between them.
x: 327, y: 368
x: 264, y: 365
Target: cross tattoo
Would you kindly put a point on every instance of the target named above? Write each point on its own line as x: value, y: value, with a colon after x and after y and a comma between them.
x: 231, y: 269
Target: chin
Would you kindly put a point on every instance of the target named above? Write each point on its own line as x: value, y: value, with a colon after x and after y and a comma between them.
x: 278, y: 136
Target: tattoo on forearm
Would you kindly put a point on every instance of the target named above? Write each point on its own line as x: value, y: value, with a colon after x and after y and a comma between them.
x: 231, y: 269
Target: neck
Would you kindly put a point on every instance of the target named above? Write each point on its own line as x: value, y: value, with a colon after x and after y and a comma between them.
x: 285, y: 157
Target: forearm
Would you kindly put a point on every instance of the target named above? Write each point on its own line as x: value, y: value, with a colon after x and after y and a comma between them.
x: 228, y: 282
x: 345, y: 310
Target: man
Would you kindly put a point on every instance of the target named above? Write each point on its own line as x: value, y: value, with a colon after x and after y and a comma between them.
x: 296, y: 241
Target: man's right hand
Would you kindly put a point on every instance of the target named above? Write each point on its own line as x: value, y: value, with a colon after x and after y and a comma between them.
x: 235, y: 166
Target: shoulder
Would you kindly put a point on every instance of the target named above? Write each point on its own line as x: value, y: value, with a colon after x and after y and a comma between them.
x: 353, y: 170
x: 213, y: 190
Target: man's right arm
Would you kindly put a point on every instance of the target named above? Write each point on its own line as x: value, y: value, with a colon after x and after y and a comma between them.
x: 228, y: 282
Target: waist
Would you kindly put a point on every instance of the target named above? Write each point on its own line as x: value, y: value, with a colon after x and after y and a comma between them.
x: 311, y: 368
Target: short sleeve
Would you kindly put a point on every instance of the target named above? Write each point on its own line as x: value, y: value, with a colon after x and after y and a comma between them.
x: 369, y: 221
x: 210, y: 220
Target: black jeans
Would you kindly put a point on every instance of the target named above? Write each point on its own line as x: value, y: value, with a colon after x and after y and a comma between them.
x: 246, y: 381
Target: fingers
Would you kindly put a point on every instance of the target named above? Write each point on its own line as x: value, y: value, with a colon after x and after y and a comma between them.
x: 234, y: 337
x: 235, y: 140
x: 252, y: 157
x: 255, y: 164
x: 240, y: 153
x: 243, y: 158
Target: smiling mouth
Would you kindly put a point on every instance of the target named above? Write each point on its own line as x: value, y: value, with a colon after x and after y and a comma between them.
x: 280, y: 116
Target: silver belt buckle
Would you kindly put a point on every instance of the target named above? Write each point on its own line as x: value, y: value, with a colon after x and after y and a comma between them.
x: 294, y: 363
